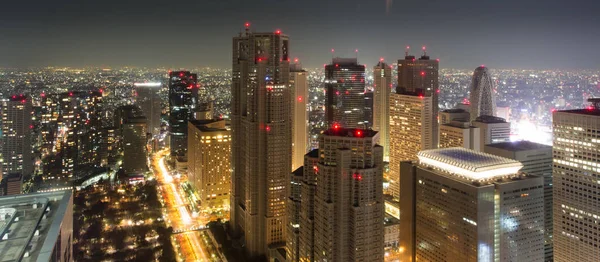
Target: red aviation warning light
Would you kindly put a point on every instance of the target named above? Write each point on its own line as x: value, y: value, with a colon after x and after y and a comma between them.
x: 421, y: 96
x: 268, y: 128
x: 381, y: 59
x: 359, y: 133
x: 181, y: 74
x: 247, y: 24
x: 336, y: 126
x: 357, y: 177
x: 422, y: 73
x: 299, y: 98
x: 296, y: 60
x: 277, y: 32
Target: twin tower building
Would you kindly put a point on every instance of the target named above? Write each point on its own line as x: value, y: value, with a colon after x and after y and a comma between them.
x: 331, y: 207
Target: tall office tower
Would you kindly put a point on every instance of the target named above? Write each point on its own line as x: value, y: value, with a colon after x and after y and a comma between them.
x: 382, y: 79
x: 261, y: 124
x: 345, y: 91
x: 110, y: 146
x: 37, y: 227
x: 344, y: 215
x: 576, y: 179
x: 459, y: 134
x: 135, y: 153
x: 299, y: 89
x: 80, y: 129
x: 149, y: 100
x: 537, y: 160
x: 449, y: 115
x: 421, y: 76
x: 411, y: 130
x: 15, y: 139
x: 183, y: 96
x: 292, y: 246
x: 209, y: 166
x: 306, y: 251
x: 460, y: 205
x: 482, y: 98
x: 493, y: 130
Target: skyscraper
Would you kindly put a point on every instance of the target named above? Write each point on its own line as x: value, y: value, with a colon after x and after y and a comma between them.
x: 345, y: 94
x: 132, y: 128
x: 411, y: 130
x: 342, y: 220
x: 537, y: 160
x: 80, y: 131
x: 382, y: 79
x: 299, y: 89
x: 482, y: 98
x: 209, y: 166
x: 421, y: 76
x: 183, y: 96
x: 261, y: 139
x: 576, y: 179
x: 148, y: 99
x: 15, y: 139
x: 460, y: 205
x: 294, y: 207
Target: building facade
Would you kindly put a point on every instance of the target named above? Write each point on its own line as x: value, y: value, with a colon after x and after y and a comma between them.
x: 15, y: 139
x: 449, y: 115
x: 209, y: 166
x: 261, y: 139
x: 183, y: 98
x: 382, y: 81
x: 299, y: 89
x: 537, y: 160
x: 460, y: 205
x: 459, y: 134
x: 493, y: 130
x: 294, y: 207
x: 411, y: 130
x: 576, y: 179
x: 482, y: 96
x: 345, y: 103
x: 147, y: 97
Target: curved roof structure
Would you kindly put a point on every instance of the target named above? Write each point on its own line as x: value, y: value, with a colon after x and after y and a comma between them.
x: 468, y: 163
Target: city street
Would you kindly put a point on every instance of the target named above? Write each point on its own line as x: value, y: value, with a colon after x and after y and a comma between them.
x: 192, y: 245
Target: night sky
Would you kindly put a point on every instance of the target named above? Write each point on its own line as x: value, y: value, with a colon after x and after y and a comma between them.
x: 182, y: 34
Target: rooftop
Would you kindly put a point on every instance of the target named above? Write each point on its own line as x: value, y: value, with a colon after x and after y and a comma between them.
x: 519, y: 146
x: 349, y: 132
x: 31, y: 224
x: 587, y: 111
x: 209, y: 125
x: 490, y: 119
x: 455, y: 110
x: 468, y: 163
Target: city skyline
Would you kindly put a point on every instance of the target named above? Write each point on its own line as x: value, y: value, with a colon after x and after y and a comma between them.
x: 116, y: 34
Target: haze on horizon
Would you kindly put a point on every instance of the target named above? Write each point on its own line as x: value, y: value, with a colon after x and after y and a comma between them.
x: 152, y: 33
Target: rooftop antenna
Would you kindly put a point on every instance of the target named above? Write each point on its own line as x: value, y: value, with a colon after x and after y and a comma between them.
x: 247, y: 25
x: 406, y: 50
x: 332, y: 51
x: 356, y: 54
x: 424, y: 51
